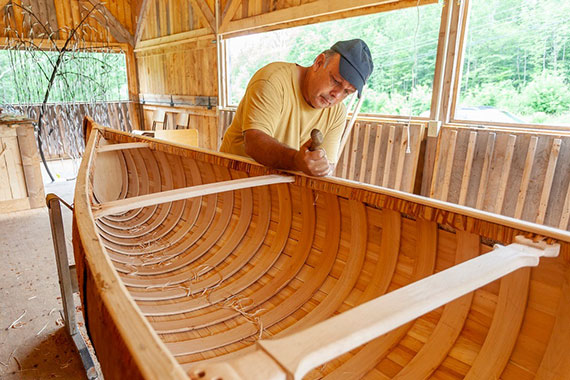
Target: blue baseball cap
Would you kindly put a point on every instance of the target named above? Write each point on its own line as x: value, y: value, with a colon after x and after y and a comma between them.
x: 355, y: 64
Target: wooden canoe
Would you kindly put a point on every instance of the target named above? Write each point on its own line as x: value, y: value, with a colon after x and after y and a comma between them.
x: 197, y: 264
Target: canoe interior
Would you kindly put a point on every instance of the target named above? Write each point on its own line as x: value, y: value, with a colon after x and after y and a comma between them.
x: 213, y: 274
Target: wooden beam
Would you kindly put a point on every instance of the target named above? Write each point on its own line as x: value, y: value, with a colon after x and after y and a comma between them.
x: 206, y: 13
x: 50, y: 45
x: 319, y: 8
x: 105, y: 18
x: 229, y: 12
x: 174, y: 39
x: 123, y: 205
x: 141, y: 20
x: 292, y: 356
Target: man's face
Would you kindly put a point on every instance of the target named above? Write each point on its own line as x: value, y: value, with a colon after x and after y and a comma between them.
x: 325, y: 86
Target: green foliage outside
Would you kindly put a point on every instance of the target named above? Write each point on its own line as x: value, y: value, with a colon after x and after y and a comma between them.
x: 82, y: 77
x: 516, y: 58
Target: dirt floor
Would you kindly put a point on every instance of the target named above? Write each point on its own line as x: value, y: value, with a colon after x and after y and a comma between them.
x: 34, y: 343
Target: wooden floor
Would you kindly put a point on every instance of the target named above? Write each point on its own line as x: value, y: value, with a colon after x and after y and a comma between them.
x: 37, y: 346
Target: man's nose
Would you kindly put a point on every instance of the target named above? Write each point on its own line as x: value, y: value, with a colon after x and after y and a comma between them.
x: 335, y: 93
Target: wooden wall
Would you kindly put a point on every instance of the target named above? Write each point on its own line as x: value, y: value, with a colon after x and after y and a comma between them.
x: 64, y: 15
x: 519, y: 173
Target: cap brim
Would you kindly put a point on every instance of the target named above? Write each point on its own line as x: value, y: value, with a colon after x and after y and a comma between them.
x: 350, y: 74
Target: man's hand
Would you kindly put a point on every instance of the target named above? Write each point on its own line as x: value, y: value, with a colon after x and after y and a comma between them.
x: 268, y: 151
x: 314, y: 163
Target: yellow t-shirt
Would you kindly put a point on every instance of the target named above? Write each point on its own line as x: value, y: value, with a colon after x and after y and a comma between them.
x: 273, y: 103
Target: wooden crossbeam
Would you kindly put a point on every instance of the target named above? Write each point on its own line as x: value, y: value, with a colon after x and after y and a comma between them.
x: 108, y: 20
x: 206, y: 13
x: 296, y: 354
x: 229, y: 12
x: 123, y: 205
x: 141, y: 20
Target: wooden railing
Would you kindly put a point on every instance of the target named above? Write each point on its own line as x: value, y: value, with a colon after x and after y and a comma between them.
x: 383, y: 153
x: 62, y: 136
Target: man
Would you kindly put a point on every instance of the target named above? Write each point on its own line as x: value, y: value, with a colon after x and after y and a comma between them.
x: 284, y: 102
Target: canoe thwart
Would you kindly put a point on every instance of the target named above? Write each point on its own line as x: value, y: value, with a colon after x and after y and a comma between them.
x: 296, y: 354
x: 124, y: 146
x: 123, y: 205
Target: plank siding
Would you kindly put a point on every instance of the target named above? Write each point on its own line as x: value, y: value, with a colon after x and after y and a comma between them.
x: 519, y: 174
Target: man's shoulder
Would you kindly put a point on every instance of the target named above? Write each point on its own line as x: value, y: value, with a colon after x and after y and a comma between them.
x: 274, y: 71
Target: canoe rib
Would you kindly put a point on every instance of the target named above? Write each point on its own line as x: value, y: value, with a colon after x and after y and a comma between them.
x: 299, y: 353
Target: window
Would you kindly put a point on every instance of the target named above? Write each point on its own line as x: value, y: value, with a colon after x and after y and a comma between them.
x: 516, y: 65
x: 393, y: 42
x: 24, y: 77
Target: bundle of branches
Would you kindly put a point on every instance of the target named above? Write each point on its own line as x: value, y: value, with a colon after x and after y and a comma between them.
x: 59, y: 65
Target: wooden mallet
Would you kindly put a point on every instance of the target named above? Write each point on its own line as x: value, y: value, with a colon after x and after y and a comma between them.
x: 316, y: 139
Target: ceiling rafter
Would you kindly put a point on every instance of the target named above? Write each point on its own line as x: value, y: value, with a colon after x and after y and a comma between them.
x: 107, y: 19
x: 206, y: 13
x: 229, y: 12
x: 141, y: 20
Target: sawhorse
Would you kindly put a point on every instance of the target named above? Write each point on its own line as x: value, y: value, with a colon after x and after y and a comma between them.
x: 68, y: 282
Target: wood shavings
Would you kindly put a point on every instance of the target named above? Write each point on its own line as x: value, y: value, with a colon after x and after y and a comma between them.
x: 43, y: 328
x: 18, y: 362
x: 16, y: 324
x: 241, y: 304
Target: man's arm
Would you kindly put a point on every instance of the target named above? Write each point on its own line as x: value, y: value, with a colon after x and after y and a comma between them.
x: 268, y: 151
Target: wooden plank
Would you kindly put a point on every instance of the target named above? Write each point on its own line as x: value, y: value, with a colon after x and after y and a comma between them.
x: 119, y: 206
x: 353, y: 151
x: 484, y: 178
x: 440, y: 151
x: 229, y: 12
x: 12, y: 205
x: 364, y: 161
x: 388, y: 162
x: 206, y: 13
x: 11, y: 154
x: 376, y: 155
x: 506, y: 170
x: 5, y: 190
x: 548, y: 178
x: 555, y: 363
x: 124, y: 146
x: 467, y: 167
x: 315, y: 9
x: 504, y: 331
x: 565, y: 217
x: 52, y: 17
x: 448, y: 166
x: 31, y: 165
x: 175, y: 39
x: 404, y: 141
x: 141, y: 20
x: 529, y: 161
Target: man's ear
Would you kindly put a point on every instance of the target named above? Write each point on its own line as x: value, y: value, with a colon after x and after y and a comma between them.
x: 319, y: 62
